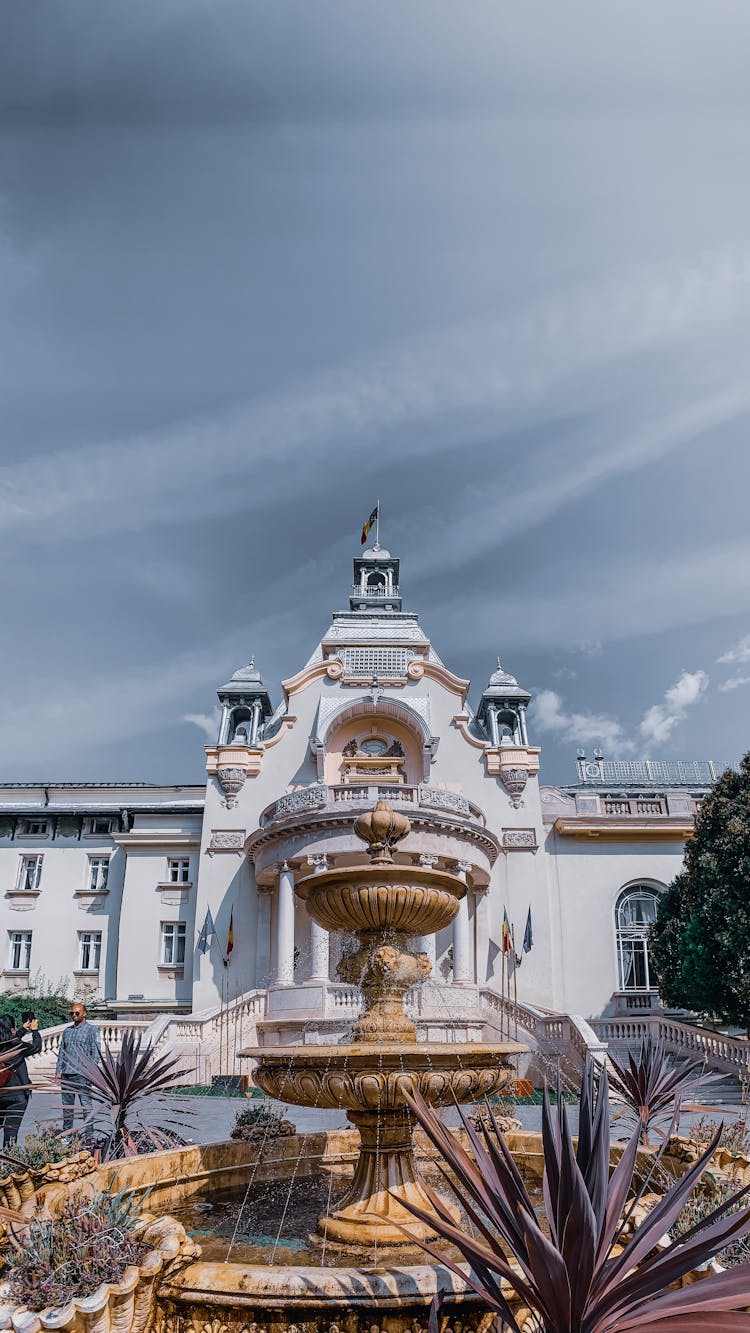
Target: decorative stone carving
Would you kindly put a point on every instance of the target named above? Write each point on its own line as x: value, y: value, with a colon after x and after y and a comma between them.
x: 514, y: 780
x: 520, y: 838
x: 335, y: 669
x: 231, y: 781
x: 307, y: 798
x: 415, y: 670
x: 318, y: 861
x: 227, y: 840
x: 444, y: 800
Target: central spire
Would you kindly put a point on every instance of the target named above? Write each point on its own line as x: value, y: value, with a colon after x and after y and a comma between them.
x: 375, y: 585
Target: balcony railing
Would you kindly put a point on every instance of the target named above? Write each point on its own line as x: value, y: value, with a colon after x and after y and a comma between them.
x: 381, y: 592
x: 320, y: 797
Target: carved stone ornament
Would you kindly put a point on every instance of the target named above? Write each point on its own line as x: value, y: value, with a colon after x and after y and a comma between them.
x: 227, y: 840
x: 335, y: 669
x: 521, y: 839
x: 231, y: 781
x: 415, y: 670
x: 514, y: 780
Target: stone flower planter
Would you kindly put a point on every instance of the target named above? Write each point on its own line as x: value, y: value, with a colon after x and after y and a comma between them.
x: 126, y: 1306
x: 21, y: 1186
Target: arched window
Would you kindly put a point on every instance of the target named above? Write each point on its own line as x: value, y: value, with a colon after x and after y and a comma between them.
x: 636, y: 911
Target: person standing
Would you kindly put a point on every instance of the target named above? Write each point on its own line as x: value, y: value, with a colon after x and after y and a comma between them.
x: 80, y: 1039
x: 30, y: 1043
x: 12, y: 1092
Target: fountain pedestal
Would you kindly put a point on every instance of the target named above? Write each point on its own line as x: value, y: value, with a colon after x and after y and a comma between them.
x: 386, y: 906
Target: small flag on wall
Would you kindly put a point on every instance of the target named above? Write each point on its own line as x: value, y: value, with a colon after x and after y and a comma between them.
x: 372, y: 520
x: 230, y: 933
x: 528, y: 935
x: 506, y: 932
x: 208, y: 931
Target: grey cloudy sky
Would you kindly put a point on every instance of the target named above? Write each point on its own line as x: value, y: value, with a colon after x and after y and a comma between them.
x: 263, y: 263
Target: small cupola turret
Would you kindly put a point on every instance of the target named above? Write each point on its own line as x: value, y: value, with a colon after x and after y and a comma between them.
x: 375, y: 581
x: 245, y: 707
x: 502, y: 709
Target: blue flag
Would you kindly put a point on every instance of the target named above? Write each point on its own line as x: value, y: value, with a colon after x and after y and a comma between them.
x: 207, y: 933
x: 528, y: 937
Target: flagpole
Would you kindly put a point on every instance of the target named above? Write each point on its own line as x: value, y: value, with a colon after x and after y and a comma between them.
x: 377, y: 524
x: 515, y: 978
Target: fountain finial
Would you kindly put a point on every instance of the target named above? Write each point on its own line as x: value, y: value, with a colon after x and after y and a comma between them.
x: 381, y: 828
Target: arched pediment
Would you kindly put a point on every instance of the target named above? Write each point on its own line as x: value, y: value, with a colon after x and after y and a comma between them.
x: 413, y: 714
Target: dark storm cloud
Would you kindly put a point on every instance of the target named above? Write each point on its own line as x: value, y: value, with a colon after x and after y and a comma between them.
x: 260, y: 264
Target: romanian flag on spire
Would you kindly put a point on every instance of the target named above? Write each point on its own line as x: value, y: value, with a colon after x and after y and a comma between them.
x: 507, y: 942
x: 372, y: 520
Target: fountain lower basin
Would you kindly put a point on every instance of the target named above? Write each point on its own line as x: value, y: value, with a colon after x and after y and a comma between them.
x: 368, y: 1081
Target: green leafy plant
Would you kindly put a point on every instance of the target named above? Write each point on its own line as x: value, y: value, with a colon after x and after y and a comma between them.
x: 252, y: 1117
x: 122, y: 1085
x: 92, y: 1241
x: 714, y: 1190
x: 651, y: 1086
x: 734, y: 1135
x: 42, y: 1147
x: 588, y: 1266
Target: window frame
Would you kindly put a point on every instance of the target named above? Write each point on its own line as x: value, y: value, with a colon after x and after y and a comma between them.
x: 25, y: 861
x: 176, y: 933
x: 28, y: 831
x: 631, y: 941
x: 22, y: 940
x: 98, y: 885
x: 89, y: 940
x: 93, y: 832
x: 181, y: 865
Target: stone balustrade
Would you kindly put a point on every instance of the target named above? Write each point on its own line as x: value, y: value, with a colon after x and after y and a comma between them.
x: 320, y: 796
x: 719, y: 1051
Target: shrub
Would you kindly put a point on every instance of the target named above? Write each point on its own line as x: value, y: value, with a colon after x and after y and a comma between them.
x: 50, y: 1002
x: 92, y: 1241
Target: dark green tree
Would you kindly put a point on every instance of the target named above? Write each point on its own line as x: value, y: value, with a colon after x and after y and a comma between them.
x: 700, y: 943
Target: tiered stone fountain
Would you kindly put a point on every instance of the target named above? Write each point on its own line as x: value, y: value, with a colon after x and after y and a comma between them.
x: 385, y: 905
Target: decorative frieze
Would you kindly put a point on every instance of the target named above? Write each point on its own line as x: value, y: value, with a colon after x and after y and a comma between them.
x: 519, y: 839
x: 227, y: 840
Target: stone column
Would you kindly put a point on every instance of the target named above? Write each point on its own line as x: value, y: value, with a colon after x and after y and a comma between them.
x: 427, y: 943
x: 285, y: 927
x: 462, y: 970
x: 492, y: 715
x: 522, y: 719
x: 319, y: 937
x: 263, y: 936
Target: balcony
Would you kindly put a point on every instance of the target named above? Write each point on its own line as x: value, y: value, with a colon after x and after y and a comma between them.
x: 342, y: 796
x: 317, y: 821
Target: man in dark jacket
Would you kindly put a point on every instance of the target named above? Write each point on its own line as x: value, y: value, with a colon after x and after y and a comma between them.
x: 30, y: 1043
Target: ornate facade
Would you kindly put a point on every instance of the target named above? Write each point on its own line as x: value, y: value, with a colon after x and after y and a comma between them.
x: 111, y: 886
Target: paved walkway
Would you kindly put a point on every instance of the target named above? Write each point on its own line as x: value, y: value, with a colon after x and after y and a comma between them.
x: 210, y: 1119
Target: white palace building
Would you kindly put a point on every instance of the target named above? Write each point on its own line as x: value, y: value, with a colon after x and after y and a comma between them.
x: 110, y: 885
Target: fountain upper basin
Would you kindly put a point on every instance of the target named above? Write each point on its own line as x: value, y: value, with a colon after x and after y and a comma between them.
x: 415, y: 900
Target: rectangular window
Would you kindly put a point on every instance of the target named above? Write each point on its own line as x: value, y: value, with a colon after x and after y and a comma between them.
x: 100, y: 825
x: 98, y: 872
x: 172, y: 943
x: 89, y: 950
x: 179, y: 871
x: 30, y: 873
x: 20, y: 950
x: 36, y: 828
